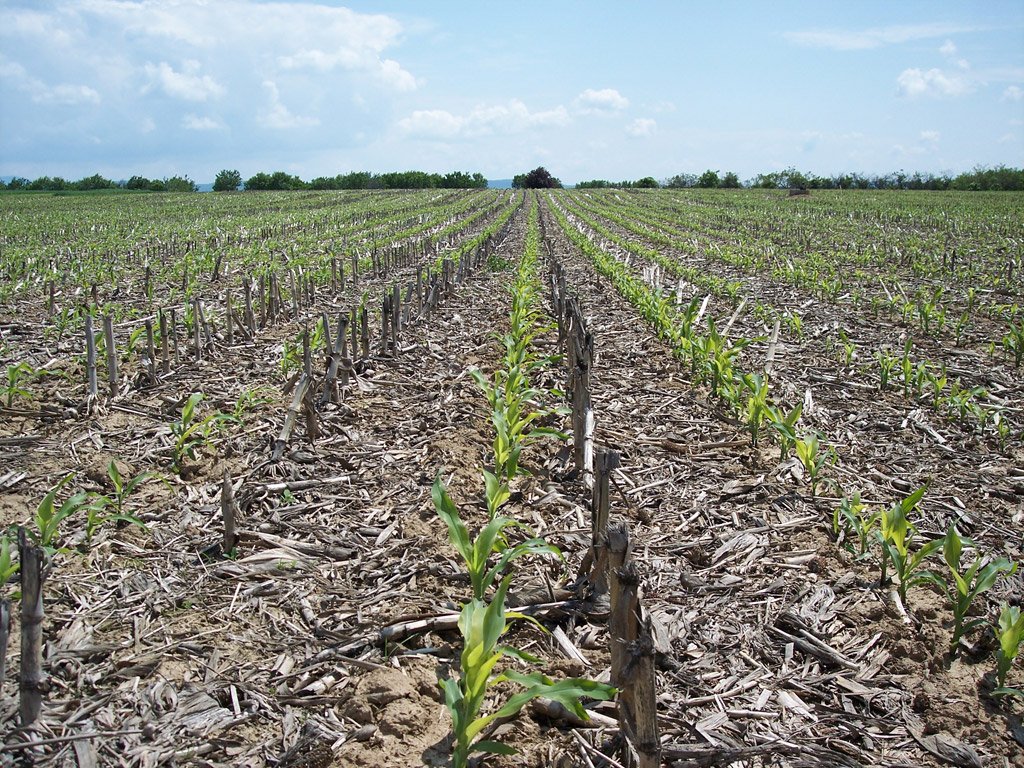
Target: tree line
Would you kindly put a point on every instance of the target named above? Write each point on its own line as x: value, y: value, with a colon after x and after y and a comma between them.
x: 229, y: 180
x: 1000, y: 178
x: 95, y: 182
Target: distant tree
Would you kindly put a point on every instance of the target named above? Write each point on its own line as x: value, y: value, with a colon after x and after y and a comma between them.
x: 276, y: 180
x: 647, y: 182
x: 227, y: 181
x: 180, y: 184
x: 730, y: 181
x: 55, y: 184
x: 538, y: 178
x: 681, y: 181
x: 709, y: 180
x: 18, y: 183
x: 94, y: 182
x: 137, y: 182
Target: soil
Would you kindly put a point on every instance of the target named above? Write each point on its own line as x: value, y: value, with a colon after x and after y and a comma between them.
x: 776, y: 646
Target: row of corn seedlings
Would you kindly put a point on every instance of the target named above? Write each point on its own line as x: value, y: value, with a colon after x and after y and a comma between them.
x: 190, y: 433
x: 516, y: 408
x: 962, y: 405
x: 893, y: 534
x: 713, y: 358
x: 891, y: 529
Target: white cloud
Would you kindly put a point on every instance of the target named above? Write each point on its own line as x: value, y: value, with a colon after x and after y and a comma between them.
x: 875, y: 37
x: 1012, y: 93
x: 511, y: 117
x: 197, y: 123
x: 188, y: 84
x: 948, y: 48
x: 278, y: 115
x: 933, y: 82
x: 642, y: 126
x: 41, y: 93
x: 930, y: 136
x: 600, y: 101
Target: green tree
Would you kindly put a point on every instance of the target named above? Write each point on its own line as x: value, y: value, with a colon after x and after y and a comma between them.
x: 94, y: 182
x: 647, y: 182
x: 538, y: 178
x: 180, y: 184
x: 730, y: 181
x: 709, y: 180
x: 227, y: 181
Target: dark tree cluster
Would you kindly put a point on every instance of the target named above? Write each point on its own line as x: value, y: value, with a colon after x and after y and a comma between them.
x: 647, y: 182
x: 538, y: 178
x: 980, y: 179
x: 367, y: 180
x: 96, y: 181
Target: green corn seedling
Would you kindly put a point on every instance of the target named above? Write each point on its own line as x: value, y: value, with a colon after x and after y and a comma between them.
x: 48, y: 516
x: 476, y: 553
x: 8, y: 565
x: 1009, y: 634
x: 122, y: 490
x: 482, y: 626
x: 757, y: 407
x: 965, y: 586
x: 886, y: 366
x: 853, y: 516
x: 16, y: 374
x: 896, y: 535
x: 1013, y: 343
x: 784, y: 425
x: 191, y: 433
x: 813, y: 458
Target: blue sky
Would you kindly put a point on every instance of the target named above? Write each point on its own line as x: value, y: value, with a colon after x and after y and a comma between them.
x: 609, y: 90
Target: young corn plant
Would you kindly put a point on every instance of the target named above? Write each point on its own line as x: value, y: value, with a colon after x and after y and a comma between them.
x: 482, y: 626
x: 1013, y: 343
x: 784, y: 425
x: 8, y: 565
x: 966, y: 585
x: 757, y: 408
x: 123, y: 488
x: 813, y: 458
x: 1009, y: 634
x: 16, y: 375
x: 514, y: 413
x: 853, y: 517
x: 886, y: 366
x: 492, y: 539
x: 191, y: 433
x: 49, y: 516
x: 896, y: 533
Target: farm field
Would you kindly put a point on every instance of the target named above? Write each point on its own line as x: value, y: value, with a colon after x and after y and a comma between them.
x: 804, y: 393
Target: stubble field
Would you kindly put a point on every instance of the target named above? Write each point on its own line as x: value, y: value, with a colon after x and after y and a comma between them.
x: 760, y: 362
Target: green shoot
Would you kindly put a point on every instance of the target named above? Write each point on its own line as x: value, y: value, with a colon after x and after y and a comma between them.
x: 122, y: 490
x: 8, y: 566
x: 476, y: 553
x: 853, y: 516
x: 1009, y: 632
x: 784, y: 425
x: 15, y: 375
x: 813, y: 458
x: 48, y: 516
x: 191, y: 433
x: 967, y: 585
x: 896, y: 535
x: 482, y: 626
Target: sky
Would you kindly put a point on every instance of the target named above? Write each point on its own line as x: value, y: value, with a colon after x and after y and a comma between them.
x: 600, y: 89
